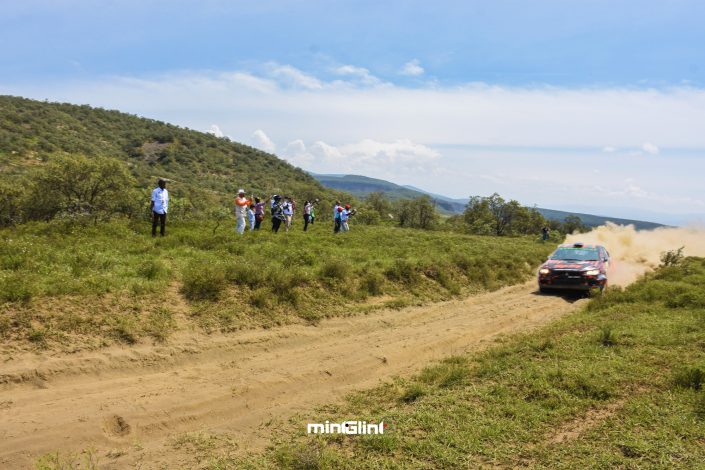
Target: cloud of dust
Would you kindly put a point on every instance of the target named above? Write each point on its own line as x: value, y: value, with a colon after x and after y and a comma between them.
x: 634, y: 251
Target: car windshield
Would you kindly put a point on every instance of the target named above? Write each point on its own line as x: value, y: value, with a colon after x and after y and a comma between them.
x: 575, y: 254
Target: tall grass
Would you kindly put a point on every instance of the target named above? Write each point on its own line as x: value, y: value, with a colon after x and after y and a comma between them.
x: 230, y: 281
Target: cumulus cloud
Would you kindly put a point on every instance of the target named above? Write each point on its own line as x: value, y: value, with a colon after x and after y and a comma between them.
x: 361, y: 74
x: 263, y: 142
x: 412, y: 68
x: 650, y: 148
x: 368, y: 156
x: 295, y: 77
x: 215, y: 130
x: 351, y: 123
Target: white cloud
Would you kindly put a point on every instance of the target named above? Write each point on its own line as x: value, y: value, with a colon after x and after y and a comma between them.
x: 263, y: 142
x: 650, y: 148
x: 215, y: 130
x: 368, y: 156
x: 350, y: 123
x: 412, y: 68
x: 362, y: 74
x: 295, y: 77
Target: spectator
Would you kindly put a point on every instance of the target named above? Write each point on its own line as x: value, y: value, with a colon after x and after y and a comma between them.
x: 251, y: 216
x: 159, y: 206
x: 259, y: 212
x: 337, y: 209
x: 241, y: 204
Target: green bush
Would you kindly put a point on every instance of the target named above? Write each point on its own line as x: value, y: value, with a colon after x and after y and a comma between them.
x: 152, y: 269
x: 693, y: 377
x: 404, y: 271
x: 335, y: 269
x: 203, y: 281
x: 372, y: 283
x: 16, y: 288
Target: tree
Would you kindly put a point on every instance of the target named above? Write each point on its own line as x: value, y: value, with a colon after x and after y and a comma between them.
x: 419, y: 212
x: 11, y: 199
x: 493, y: 215
x: 379, y: 203
x: 76, y: 185
x: 572, y: 224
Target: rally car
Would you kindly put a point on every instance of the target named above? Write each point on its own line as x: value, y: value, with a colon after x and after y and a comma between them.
x: 575, y: 266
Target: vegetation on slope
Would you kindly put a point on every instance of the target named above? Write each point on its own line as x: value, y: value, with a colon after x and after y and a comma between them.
x: 68, y: 283
x: 199, y: 164
x: 618, y: 385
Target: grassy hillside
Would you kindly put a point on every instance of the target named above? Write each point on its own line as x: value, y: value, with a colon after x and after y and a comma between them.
x: 361, y: 186
x: 69, y: 285
x: 618, y: 385
x: 32, y: 131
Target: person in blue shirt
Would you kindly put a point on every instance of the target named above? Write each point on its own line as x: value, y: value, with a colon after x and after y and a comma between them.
x: 251, y: 216
x: 344, y: 216
x: 159, y: 206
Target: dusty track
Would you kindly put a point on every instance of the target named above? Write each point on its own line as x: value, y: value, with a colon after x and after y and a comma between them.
x: 130, y: 403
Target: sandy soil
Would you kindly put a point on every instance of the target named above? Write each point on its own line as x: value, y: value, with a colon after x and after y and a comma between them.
x: 129, y: 404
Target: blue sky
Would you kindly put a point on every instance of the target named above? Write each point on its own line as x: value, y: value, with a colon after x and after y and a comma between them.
x: 460, y: 98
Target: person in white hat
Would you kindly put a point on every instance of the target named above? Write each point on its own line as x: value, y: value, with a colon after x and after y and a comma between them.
x: 241, y: 205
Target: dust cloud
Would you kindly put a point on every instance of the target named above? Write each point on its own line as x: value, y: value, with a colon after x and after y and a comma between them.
x: 635, y: 252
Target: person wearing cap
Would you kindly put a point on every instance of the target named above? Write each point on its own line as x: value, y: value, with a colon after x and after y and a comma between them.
x: 344, y: 216
x: 159, y: 206
x: 241, y: 205
x: 277, y: 213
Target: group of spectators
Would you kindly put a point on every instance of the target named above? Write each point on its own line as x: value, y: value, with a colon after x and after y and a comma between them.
x: 252, y: 210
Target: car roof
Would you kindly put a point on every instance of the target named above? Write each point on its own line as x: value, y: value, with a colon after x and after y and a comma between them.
x: 580, y: 245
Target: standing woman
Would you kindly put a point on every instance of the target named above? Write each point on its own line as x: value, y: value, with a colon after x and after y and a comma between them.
x: 288, y: 212
x: 307, y: 214
x: 259, y: 212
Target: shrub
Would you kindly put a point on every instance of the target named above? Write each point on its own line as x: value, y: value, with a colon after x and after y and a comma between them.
x: 372, y: 283
x: 16, y: 288
x: 152, y: 269
x: 260, y: 298
x: 672, y: 257
x: 336, y: 269
x: 607, y: 337
x: 203, y: 281
x: 692, y: 377
x: 160, y: 324
x: 412, y: 393
x: 403, y: 271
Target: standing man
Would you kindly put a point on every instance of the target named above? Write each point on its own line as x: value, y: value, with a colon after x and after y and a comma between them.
x: 241, y: 205
x: 544, y: 233
x: 336, y: 216
x: 159, y: 206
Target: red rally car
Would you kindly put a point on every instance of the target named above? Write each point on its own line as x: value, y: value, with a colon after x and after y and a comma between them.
x: 575, y: 266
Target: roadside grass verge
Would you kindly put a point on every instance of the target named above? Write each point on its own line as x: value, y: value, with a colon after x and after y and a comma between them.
x: 618, y: 384
x: 112, y: 282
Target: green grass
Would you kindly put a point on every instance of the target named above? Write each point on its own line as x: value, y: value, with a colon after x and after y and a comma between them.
x: 617, y: 385
x: 113, y: 282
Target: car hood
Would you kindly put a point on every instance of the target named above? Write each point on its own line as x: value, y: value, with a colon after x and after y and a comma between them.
x: 577, y: 265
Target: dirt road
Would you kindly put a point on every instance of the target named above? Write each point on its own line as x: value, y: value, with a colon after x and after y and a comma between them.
x: 129, y: 404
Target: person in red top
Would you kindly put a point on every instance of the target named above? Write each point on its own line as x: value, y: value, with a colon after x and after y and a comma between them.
x: 241, y: 205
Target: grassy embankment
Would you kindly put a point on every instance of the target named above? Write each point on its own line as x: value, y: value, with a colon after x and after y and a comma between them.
x: 92, y: 285
x: 616, y: 385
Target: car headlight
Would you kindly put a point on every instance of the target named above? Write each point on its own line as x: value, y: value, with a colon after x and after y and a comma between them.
x: 592, y: 272
x: 544, y: 271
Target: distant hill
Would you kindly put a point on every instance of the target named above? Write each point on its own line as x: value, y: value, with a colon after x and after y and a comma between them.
x: 361, y: 186
x: 32, y: 131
